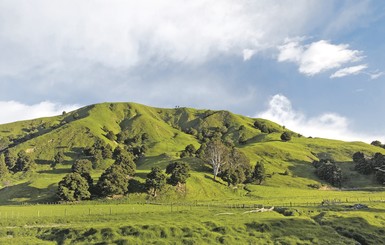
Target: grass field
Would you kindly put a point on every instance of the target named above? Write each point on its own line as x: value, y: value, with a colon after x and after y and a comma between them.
x: 189, y: 224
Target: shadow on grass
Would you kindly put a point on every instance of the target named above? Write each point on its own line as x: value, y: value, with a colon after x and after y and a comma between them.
x: 56, y: 171
x: 24, y: 193
x: 355, y: 228
x: 215, y: 180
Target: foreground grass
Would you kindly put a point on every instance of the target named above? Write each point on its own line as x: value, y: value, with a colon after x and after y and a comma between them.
x: 206, y: 224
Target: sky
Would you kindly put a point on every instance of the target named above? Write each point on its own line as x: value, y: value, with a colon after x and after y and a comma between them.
x: 317, y: 67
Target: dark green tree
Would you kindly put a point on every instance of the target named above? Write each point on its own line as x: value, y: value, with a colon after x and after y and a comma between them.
x: 107, y: 152
x: 155, y: 181
x: 110, y: 135
x: 358, y: 157
x: 189, y: 151
x: 73, y: 187
x: 127, y: 164
x: 285, y: 136
x: 113, y: 181
x: 179, y: 172
x: 376, y: 143
x: 259, y: 174
x: 10, y: 160
x: 24, y: 162
x: 329, y: 171
x: 380, y: 175
x: 238, y: 168
x: 84, y: 167
x: 58, y: 159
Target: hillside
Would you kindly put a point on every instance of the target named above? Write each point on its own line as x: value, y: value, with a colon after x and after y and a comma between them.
x: 168, y: 132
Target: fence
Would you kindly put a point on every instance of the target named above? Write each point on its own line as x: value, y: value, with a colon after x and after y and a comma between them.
x: 125, y: 208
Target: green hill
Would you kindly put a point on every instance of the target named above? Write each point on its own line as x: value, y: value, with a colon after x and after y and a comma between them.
x: 169, y: 131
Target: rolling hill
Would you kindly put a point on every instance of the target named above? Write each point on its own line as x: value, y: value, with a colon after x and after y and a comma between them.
x: 169, y: 131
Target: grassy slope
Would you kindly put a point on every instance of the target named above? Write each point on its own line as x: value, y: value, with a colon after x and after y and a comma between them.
x: 165, y: 128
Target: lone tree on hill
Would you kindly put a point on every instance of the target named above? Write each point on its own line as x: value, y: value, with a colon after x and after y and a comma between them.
x: 217, y: 154
x: 155, y: 181
x: 73, y: 187
x: 179, y: 173
x: 259, y: 172
x: 285, y: 136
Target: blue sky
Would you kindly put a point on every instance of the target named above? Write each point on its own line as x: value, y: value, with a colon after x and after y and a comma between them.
x: 315, y: 66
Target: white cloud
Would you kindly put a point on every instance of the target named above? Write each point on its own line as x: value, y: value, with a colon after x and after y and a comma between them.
x: 12, y: 111
x: 318, y: 56
x: 248, y: 53
x: 375, y: 75
x: 327, y: 125
x: 123, y: 34
x: 352, y: 70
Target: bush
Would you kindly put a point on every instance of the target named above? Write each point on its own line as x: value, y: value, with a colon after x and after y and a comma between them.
x: 285, y: 136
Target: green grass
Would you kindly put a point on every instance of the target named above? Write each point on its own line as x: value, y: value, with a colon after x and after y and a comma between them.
x: 163, y: 224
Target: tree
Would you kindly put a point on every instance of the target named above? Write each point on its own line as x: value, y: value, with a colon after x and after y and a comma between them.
x: 57, y: 159
x: 73, y: 187
x: 155, y: 181
x: 179, y: 173
x: 24, y: 162
x: 358, y: 157
x: 110, y: 135
x: 84, y: 167
x: 189, y: 151
x: 380, y: 175
x: 216, y: 154
x: 376, y: 143
x: 238, y: 168
x: 107, y: 151
x: 329, y: 172
x: 259, y: 172
x: 113, y: 181
x: 285, y: 136
x: 10, y: 160
x: 127, y: 164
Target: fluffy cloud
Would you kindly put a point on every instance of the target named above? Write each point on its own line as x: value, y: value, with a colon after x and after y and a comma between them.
x: 123, y: 34
x: 352, y: 70
x: 326, y: 125
x: 318, y: 56
x: 14, y: 111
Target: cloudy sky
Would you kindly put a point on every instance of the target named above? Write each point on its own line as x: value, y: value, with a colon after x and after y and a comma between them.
x: 318, y: 67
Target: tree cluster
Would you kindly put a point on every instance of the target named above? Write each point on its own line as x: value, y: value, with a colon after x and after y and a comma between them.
x: 228, y: 163
x: 20, y: 163
x: 98, y: 152
x: 77, y: 185
x: 264, y: 128
x: 189, y: 151
x: 156, y: 180
x: 374, y: 165
x: 378, y: 144
x: 136, y: 144
x: 327, y: 170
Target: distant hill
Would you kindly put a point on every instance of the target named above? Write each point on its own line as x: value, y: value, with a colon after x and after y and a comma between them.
x: 168, y: 131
